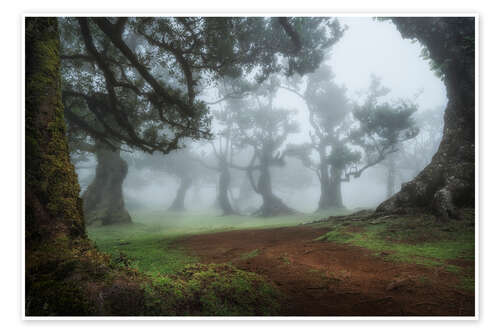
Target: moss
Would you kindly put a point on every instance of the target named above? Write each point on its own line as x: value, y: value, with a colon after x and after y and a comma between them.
x: 50, y: 176
x: 215, y: 290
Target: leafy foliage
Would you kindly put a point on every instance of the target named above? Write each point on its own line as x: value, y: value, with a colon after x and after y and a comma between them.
x: 136, y: 80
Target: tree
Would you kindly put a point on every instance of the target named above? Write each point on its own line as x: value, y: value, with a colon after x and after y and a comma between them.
x: 59, y: 257
x: 103, y: 202
x: 447, y: 183
x: 134, y: 82
x: 223, y: 151
x: 348, y: 139
x: 381, y: 127
x: 413, y: 155
x: 52, y: 201
x: 264, y: 128
x: 328, y: 108
x: 182, y: 164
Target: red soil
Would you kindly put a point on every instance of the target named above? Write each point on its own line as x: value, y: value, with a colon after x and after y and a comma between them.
x: 329, y: 279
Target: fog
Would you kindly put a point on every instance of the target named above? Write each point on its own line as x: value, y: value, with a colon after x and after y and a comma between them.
x: 368, y: 48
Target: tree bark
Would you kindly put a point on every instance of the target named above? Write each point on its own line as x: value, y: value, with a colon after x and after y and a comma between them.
x: 330, y: 183
x: 178, y: 203
x: 52, y: 198
x: 331, y: 190
x: 103, y: 202
x: 448, y: 182
x: 53, y: 209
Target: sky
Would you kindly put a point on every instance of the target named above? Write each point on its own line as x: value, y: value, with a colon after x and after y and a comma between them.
x: 373, y: 47
x: 376, y: 47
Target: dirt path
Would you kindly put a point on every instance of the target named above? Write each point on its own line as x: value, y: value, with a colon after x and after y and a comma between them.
x: 328, y: 279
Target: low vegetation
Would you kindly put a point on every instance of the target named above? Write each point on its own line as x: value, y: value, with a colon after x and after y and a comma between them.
x: 414, y: 239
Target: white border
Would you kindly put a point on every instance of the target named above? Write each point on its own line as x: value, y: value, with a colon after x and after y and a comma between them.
x: 258, y: 14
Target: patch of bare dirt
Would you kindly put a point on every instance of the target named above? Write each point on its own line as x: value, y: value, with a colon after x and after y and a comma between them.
x: 329, y: 279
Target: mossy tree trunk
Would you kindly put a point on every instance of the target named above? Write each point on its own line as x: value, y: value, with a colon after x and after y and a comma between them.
x: 178, y: 203
x: 53, y: 209
x: 52, y: 198
x: 103, y: 202
x: 448, y: 182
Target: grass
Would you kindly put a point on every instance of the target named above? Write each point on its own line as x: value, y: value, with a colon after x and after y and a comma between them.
x: 414, y: 239
x: 250, y: 255
x: 148, y: 242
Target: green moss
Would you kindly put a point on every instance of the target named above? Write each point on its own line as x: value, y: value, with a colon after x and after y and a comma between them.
x: 50, y: 176
x: 215, y: 290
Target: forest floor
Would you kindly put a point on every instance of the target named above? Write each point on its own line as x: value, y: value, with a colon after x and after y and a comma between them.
x: 389, y: 266
x: 340, y: 266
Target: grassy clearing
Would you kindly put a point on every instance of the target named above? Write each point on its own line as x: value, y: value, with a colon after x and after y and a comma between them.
x: 414, y: 239
x: 147, y: 243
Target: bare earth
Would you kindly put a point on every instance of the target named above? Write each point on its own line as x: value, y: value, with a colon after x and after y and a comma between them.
x: 329, y: 279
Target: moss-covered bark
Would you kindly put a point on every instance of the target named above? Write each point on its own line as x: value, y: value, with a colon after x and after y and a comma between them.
x: 54, y: 217
x: 52, y: 201
x: 103, y: 202
x: 448, y: 182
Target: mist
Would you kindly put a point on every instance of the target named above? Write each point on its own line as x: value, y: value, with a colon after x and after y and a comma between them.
x: 250, y: 166
x: 368, y: 48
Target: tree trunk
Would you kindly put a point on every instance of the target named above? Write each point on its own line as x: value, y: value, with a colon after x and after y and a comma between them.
x: 331, y: 191
x: 53, y: 210
x: 271, y: 204
x: 448, y: 182
x: 391, y: 176
x: 52, y: 198
x: 103, y: 202
x: 222, y: 196
x: 178, y: 204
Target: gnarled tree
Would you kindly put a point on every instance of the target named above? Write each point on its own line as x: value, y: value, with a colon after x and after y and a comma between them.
x: 328, y: 108
x: 349, y: 139
x: 448, y: 182
x: 264, y: 128
x: 135, y: 81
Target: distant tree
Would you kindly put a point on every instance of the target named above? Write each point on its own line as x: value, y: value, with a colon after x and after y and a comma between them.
x: 329, y: 110
x: 381, y: 127
x: 413, y: 155
x: 264, y: 128
x: 181, y: 164
x: 349, y: 139
x: 223, y: 152
x: 134, y: 81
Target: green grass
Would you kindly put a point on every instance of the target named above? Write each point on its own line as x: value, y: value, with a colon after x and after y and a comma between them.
x: 250, y: 255
x: 148, y: 242
x: 413, y: 239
